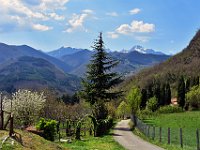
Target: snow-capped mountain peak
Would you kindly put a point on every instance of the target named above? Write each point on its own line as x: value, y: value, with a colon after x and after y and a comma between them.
x: 142, y: 50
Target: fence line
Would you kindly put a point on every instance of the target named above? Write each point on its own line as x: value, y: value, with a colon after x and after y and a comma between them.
x: 188, y: 139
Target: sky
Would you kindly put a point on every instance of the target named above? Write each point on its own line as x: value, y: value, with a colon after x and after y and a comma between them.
x: 162, y: 25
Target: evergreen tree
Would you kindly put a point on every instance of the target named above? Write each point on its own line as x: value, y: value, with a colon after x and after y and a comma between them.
x: 167, y: 94
x: 163, y: 95
x: 187, y: 85
x: 99, y: 82
x: 157, y: 93
x: 181, y: 92
x: 143, y: 99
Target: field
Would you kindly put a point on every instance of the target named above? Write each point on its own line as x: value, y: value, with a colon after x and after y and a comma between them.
x: 94, y: 143
x: 188, y: 121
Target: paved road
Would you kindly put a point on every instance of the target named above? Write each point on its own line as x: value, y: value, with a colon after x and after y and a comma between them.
x: 128, y: 140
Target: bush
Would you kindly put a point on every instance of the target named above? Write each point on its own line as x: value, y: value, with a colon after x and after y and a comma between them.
x: 193, y: 98
x: 146, y: 113
x: 169, y: 109
x: 152, y: 104
x: 49, y: 128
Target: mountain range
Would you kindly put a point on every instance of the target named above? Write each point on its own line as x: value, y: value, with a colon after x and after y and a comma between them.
x: 25, y: 67
x: 130, y: 61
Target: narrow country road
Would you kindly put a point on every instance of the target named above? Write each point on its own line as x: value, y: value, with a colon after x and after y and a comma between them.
x: 124, y: 136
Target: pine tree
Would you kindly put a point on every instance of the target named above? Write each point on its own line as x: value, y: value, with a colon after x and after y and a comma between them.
x: 163, y: 95
x: 181, y: 92
x: 187, y: 85
x: 99, y: 82
x: 167, y: 94
x: 143, y: 99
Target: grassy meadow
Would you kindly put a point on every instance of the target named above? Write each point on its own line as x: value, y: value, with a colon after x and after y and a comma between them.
x: 188, y: 121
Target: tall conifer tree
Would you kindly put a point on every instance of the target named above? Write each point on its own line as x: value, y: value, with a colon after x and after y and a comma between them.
x: 99, y: 82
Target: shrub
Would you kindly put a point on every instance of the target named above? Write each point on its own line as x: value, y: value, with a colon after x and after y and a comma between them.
x: 152, y: 104
x: 26, y: 106
x: 193, y: 98
x: 146, y: 113
x: 169, y: 109
x: 49, y: 128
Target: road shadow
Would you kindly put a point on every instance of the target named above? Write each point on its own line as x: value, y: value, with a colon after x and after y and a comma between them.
x: 114, y: 134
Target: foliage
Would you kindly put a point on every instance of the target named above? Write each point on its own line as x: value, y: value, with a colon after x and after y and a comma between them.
x: 99, y: 82
x: 49, y: 128
x: 143, y: 99
x: 134, y: 100
x: 181, y: 92
x: 169, y: 109
x: 146, y: 113
x: 193, y: 97
x: 53, y: 108
x: 185, y: 63
x: 122, y: 110
x: 25, y: 105
x: 152, y: 104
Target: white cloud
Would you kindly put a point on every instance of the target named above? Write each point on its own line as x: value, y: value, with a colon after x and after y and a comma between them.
x: 136, y: 27
x: 112, y: 35
x: 29, y: 12
x: 77, y: 21
x: 40, y: 27
x: 134, y: 11
x: 56, y: 16
x: 88, y: 11
x: 113, y: 14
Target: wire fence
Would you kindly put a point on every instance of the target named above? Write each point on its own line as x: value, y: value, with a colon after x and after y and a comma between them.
x: 185, y: 138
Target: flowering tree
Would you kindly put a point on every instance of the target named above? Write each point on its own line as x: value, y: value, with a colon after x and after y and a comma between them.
x: 25, y: 105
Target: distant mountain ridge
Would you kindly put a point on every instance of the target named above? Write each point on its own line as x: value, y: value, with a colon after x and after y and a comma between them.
x: 58, y: 53
x: 142, y: 50
x: 130, y: 61
x: 9, y: 52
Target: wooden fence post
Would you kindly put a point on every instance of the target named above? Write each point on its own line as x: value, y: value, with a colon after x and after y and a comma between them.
x: 154, y: 133
x: 11, y: 131
x: 160, y: 134
x: 181, y: 137
x: 148, y: 130
x: 197, y: 134
x: 168, y: 135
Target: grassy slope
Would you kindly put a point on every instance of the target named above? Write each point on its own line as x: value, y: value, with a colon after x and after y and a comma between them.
x: 188, y: 121
x: 94, y: 143
x: 29, y: 141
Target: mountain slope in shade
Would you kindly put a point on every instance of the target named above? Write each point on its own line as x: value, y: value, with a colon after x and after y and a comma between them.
x: 12, y: 52
x: 185, y: 63
x: 35, y: 73
x: 63, y: 51
x: 128, y: 62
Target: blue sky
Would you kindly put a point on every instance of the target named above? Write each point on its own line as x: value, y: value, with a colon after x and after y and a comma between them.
x: 163, y: 25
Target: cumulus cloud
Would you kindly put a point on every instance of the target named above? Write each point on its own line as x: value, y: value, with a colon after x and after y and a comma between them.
x: 77, y: 21
x: 40, y: 27
x: 134, y: 11
x: 135, y: 26
x: 30, y: 12
x: 135, y: 29
x: 56, y: 16
x: 113, y: 14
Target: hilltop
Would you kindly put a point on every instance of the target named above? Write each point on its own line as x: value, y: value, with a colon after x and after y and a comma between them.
x: 185, y: 63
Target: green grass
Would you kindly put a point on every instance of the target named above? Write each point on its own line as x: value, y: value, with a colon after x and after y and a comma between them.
x: 94, y: 143
x: 188, y: 121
